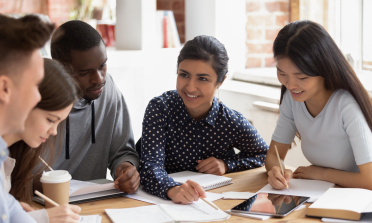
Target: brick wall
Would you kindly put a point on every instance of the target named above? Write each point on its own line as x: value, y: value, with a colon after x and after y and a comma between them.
x: 57, y: 10
x: 264, y: 20
x: 178, y: 8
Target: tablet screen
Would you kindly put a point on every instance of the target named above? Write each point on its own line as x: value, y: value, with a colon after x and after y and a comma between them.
x: 270, y: 204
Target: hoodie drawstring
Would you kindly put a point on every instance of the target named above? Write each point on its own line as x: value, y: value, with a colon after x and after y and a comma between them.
x: 68, y: 132
x: 93, y: 128
x: 67, y: 138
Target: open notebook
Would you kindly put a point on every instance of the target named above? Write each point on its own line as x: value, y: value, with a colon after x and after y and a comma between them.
x: 163, y: 213
x: 207, y: 181
x: 85, y: 191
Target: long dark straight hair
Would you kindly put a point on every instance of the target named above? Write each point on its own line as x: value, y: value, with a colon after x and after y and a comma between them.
x: 312, y: 50
x: 57, y: 90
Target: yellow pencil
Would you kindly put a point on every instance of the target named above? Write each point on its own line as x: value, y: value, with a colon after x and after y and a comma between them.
x: 281, y: 167
x: 211, y: 204
x: 46, y: 198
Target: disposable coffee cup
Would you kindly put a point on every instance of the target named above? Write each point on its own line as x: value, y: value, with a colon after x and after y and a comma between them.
x: 56, y: 186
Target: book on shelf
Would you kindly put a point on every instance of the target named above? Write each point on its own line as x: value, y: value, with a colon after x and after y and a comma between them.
x: 167, y: 33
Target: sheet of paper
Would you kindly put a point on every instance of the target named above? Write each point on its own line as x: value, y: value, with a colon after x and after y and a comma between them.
x: 144, y: 214
x: 142, y: 195
x: 77, y: 184
x: 300, y: 187
x: 78, y: 187
x: 367, y: 218
x: 350, y: 199
x: 237, y: 195
x: 90, y: 218
x: 198, y: 211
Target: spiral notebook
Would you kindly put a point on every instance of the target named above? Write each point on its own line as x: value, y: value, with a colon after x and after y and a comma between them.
x: 207, y: 181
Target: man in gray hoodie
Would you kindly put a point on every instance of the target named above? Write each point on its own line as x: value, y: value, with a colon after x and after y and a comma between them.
x: 98, y: 132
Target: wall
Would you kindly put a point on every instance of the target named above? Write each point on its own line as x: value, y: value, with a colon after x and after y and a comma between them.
x: 57, y: 10
x: 264, y: 20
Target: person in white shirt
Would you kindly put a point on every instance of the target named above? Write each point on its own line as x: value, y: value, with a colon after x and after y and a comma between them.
x: 324, y: 103
x: 58, y: 93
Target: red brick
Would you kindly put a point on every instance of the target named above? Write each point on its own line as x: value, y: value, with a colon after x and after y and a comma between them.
x: 254, y: 34
x: 252, y: 6
x: 260, y: 48
x: 269, y: 62
x: 253, y: 62
x: 163, y: 5
x: 179, y: 17
x: 270, y: 34
x: 282, y: 20
x: 181, y: 29
x: 260, y: 20
x: 178, y: 5
x: 277, y: 6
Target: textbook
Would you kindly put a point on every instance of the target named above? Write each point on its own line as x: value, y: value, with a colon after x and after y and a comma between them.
x: 198, y: 211
x: 207, y: 181
x: 85, y: 191
x: 344, y: 203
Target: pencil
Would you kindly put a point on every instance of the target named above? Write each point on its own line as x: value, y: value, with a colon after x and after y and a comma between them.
x: 214, y: 206
x: 281, y: 167
x: 46, y: 198
x: 45, y: 163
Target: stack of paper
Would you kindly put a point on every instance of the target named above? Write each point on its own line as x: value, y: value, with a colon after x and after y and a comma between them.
x: 300, y: 187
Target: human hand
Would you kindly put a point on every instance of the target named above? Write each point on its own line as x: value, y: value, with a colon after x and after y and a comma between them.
x: 277, y: 199
x: 212, y: 165
x: 309, y: 172
x: 26, y: 207
x: 128, y: 179
x: 276, y: 178
x: 66, y: 213
x: 188, y: 192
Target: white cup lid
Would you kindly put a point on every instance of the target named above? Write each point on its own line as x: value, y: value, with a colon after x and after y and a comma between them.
x: 56, y: 176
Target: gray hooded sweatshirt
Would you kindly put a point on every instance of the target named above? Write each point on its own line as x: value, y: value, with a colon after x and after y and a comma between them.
x: 111, y: 130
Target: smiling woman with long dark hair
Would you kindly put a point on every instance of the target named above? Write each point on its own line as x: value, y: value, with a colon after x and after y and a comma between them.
x: 190, y: 129
x: 323, y: 101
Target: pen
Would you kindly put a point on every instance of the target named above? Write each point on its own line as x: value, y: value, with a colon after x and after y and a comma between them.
x: 280, y: 164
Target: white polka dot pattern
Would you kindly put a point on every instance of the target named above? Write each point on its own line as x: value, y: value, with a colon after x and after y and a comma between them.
x: 172, y: 141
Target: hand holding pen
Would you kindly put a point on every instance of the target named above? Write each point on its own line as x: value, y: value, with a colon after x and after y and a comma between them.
x: 278, y: 176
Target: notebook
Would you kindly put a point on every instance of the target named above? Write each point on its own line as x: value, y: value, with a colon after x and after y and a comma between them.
x: 344, y: 203
x: 301, y: 187
x: 142, y: 195
x: 207, y: 181
x: 86, y: 191
x: 163, y: 213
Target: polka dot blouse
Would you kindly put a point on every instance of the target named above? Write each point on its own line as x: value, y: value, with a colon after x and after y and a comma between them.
x: 172, y: 141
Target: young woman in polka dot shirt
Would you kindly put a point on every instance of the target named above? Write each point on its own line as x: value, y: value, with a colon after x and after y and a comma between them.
x: 190, y: 129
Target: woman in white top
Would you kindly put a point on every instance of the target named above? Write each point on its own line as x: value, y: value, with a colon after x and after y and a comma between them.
x: 58, y: 95
x: 323, y: 101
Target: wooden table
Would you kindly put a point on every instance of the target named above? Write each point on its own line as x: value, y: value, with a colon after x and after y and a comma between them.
x: 249, y: 180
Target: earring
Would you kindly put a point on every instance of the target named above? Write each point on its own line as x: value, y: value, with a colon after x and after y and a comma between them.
x: 218, y: 95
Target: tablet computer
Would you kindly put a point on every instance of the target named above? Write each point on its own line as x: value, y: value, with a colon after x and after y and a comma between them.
x: 276, y: 205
